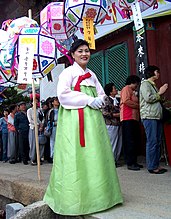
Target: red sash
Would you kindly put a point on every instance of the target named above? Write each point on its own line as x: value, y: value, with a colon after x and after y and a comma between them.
x: 80, y: 111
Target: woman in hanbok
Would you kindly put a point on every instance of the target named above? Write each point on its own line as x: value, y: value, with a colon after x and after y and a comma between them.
x: 83, y: 178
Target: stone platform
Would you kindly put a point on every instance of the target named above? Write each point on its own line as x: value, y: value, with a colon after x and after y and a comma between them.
x: 146, y: 196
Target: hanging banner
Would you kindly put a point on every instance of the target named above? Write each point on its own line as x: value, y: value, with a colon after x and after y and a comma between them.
x: 140, y: 52
x: 26, y: 64
x: 89, y: 32
x: 138, y: 22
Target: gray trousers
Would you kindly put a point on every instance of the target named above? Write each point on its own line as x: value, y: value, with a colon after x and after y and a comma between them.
x: 32, y: 144
x: 115, y: 135
x: 12, y: 146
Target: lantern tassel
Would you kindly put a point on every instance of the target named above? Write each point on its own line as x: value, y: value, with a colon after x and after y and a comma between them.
x: 64, y: 51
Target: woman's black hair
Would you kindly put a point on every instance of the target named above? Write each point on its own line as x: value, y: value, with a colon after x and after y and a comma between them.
x: 149, y: 71
x: 133, y: 79
x: 55, y: 98
x: 108, y: 88
x: 6, y: 110
x: 12, y: 107
x: 76, y: 44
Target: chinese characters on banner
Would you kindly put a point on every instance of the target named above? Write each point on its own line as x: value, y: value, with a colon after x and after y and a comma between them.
x: 140, y: 52
x: 137, y: 15
x: 26, y: 64
x: 139, y: 40
x: 89, y: 32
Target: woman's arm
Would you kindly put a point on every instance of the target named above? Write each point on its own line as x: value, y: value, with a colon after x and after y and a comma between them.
x: 127, y: 99
x: 148, y: 92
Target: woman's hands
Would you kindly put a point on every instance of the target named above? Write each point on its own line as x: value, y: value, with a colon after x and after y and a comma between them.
x: 163, y: 89
x: 96, y: 103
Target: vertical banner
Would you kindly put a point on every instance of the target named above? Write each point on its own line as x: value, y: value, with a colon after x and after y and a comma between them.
x: 138, y: 22
x: 26, y: 64
x: 89, y: 32
x: 140, y: 52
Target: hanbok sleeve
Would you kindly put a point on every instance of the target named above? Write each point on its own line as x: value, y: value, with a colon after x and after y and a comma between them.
x: 68, y: 98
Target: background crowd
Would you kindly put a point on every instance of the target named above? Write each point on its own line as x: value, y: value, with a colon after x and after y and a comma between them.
x: 17, y: 125
x: 121, y: 115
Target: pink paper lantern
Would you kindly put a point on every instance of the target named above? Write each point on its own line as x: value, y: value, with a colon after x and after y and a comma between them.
x: 52, y: 18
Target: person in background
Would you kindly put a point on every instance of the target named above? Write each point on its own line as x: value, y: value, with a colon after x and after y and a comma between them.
x: 4, y: 129
x: 49, y: 102
x: 151, y: 115
x: 42, y: 118
x: 129, y: 116
x: 42, y: 141
x: 46, y: 109
x: 21, y: 124
x: 12, y: 136
x: 42, y: 111
x: 111, y: 114
x: 84, y: 178
x: 32, y: 139
x: 53, y: 117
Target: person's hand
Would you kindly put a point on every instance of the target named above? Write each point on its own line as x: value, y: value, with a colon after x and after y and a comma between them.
x: 163, y: 89
x: 96, y: 103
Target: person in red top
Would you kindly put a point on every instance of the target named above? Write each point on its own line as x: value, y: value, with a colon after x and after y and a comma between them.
x: 129, y: 116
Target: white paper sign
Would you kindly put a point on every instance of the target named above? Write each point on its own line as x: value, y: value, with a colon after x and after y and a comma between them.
x: 26, y: 64
x: 138, y: 22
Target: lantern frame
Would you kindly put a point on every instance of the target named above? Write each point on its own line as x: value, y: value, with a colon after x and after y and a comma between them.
x: 44, y: 50
x: 52, y: 19
x: 76, y: 10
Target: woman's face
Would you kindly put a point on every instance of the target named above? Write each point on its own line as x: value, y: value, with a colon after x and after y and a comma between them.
x: 5, y: 113
x: 114, y: 92
x: 134, y: 86
x: 82, y: 56
x: 156, y: 74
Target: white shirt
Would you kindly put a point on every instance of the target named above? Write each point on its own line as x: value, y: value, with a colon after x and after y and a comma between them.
x: 30, y: 116
x: 115, y: 101
x: 70, y: 99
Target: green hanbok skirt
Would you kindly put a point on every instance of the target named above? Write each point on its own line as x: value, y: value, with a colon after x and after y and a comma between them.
x: 83, y: 179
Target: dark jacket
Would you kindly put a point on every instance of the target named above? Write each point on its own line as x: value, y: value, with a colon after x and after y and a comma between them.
x: 21, y: 122
x: 108, y: 110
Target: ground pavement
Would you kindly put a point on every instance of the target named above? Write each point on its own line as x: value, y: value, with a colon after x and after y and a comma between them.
x: 146, y: 196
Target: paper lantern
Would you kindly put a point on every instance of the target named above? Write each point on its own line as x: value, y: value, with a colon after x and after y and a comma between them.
x: 6, y: 78
x: 44, y: 49
x: 76, y: 10
x: 19, y: 23
x: 52, y: 18
x: 6, y: 24
x: 144, y: 4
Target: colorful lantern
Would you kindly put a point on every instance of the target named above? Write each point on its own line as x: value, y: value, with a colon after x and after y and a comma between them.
x: 6, y: 24
x: 52, y: 18
x: 75, y: 11
x: 124, y: 6
x: 6, y: 78
x: 44, y: 49
x: 19, y: 23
